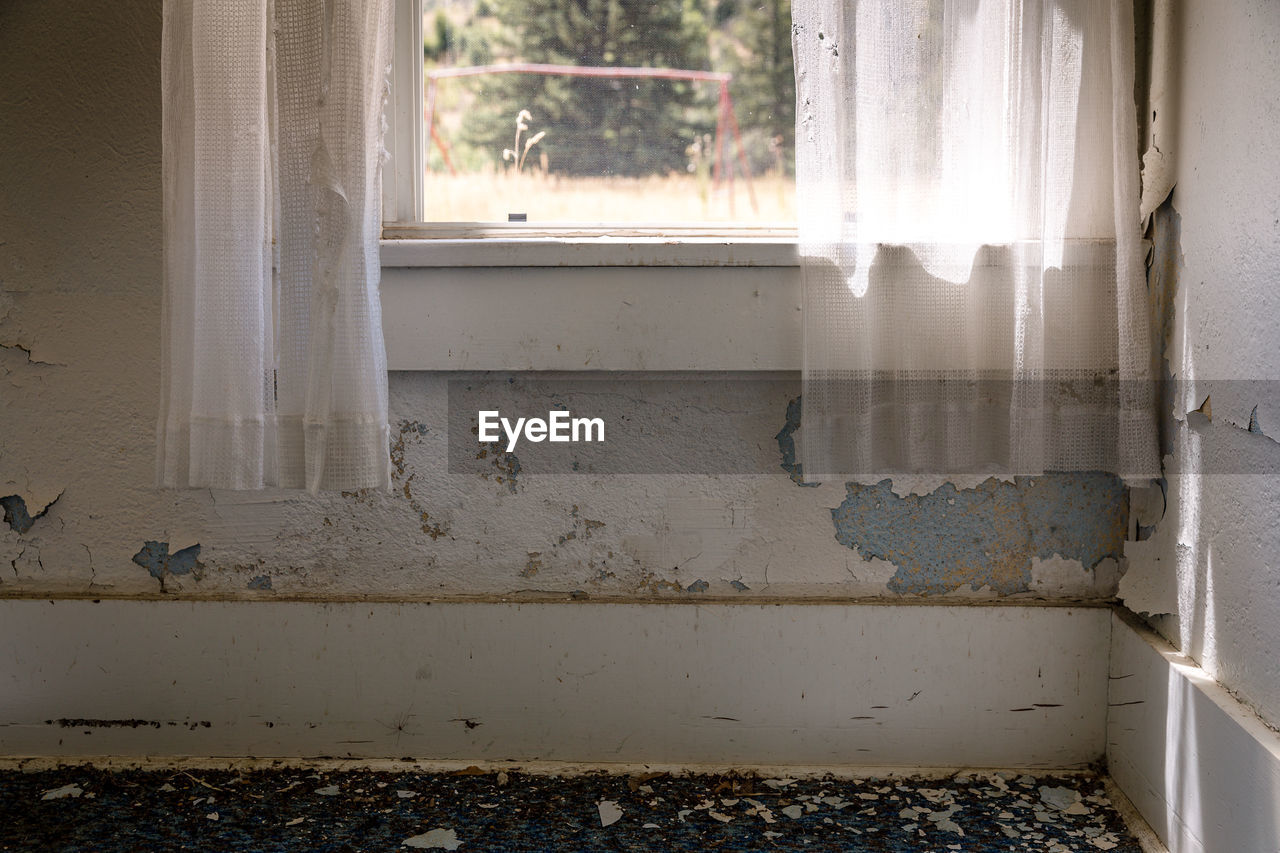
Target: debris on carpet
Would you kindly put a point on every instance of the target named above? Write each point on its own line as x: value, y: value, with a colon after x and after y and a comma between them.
x: 292, y: 808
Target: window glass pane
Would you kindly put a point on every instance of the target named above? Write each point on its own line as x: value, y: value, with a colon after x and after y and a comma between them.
x: 640, y: 111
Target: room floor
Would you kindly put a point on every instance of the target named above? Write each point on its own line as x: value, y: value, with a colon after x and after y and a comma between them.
x: 296, y: 809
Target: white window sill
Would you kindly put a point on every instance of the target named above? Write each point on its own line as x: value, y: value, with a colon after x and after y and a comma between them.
x: 521, y: 245
x: 617, y: 300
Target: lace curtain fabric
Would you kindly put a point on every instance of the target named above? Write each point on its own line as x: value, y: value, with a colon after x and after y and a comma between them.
x: 274, y: 368
x: 974, y: 289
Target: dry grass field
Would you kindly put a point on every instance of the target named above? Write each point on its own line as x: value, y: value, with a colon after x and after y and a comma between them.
x: 547, y: 198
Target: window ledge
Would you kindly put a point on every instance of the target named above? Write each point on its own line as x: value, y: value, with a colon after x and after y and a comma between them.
x: 585, y: 300
x: 520, y: 245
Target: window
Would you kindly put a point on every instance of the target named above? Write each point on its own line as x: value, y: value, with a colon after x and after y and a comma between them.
x: 586, y: 296
x: 675, y: 118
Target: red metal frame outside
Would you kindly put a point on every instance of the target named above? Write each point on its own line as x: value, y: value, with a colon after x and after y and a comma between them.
x: 726, y: 121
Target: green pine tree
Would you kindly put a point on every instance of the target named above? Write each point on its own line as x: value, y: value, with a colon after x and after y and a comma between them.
x: 598, y: 126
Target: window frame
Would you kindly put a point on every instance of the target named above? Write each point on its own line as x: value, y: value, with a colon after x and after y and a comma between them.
x: 584, y: 298
x: 408, y: 240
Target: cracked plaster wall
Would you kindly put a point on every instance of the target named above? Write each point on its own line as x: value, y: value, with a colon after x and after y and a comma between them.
x: 1208, y: 573
x: 79, y: 292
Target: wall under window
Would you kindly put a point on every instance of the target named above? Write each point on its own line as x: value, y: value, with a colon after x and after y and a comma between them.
x: 79, y: 295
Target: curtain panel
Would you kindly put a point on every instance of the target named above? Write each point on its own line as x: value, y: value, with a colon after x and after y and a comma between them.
x: 974, y: 288
x: 273, y: 363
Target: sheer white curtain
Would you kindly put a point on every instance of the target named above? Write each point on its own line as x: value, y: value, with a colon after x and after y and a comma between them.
x: 975, y: 299
x: 274, y: 367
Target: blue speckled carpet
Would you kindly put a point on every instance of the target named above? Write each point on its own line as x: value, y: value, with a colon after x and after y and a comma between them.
x: 295, y: 809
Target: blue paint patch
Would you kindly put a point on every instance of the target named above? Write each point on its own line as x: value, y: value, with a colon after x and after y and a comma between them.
x: 159, y: 563
x: 987, y: 535
x: 15, y: 513
x: 260, y: 582
x: 739, y: 585
x: 18, y: 516
x: 184, y: 562
x: 697, y: 586
x: 508, y: 466
x: 1254, y: 426
x: 787, y: 444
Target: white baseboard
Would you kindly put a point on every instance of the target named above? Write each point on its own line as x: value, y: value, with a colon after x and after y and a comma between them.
x: 1200, y: 767
x: 789, y: 684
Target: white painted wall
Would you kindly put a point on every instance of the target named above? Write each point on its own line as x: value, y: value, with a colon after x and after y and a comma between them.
x: 1214, y: 562
x: 79, y: 371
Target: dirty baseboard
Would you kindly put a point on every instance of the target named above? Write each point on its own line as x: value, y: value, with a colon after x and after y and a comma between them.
x: 781, y: 684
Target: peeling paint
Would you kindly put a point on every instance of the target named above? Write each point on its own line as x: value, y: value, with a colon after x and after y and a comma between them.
x: 433, y: 529
x: 986, y: 536
x: 507, y: 466
x: 27, y: 351
x: 602, y: 576
x: 260, y: 582
x: 18, y: 516
x: 650, y: 582
x: 15, y: 513
x: 532, y: 567
x: 787, y: 444
x: 155, y: 558
x: 404, y: 432
x: 1254, y: 426
x: 698, y: 586
x: 415, y: 430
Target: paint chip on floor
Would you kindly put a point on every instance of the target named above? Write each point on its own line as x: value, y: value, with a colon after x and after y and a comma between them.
x: 63, y: 792
x: 435, y: 839
x: 609, y: 812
